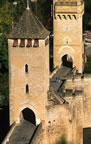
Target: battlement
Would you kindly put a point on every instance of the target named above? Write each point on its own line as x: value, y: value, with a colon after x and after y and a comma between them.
x: 69, y: 7
x: 70, y: 1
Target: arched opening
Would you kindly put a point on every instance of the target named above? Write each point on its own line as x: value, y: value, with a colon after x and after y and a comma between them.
x: 67, y: 61
x: 28, y: 115
x: 69, y: 16
x: 59, y: 17
x: 74, y: 17
x: 64, y: 16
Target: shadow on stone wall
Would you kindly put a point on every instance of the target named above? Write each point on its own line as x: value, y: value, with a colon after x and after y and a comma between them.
x: 4, y: 122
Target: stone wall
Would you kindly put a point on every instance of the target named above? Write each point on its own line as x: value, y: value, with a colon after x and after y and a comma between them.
x: 85, y: 85
x: 66, y: 120
x: 57, y: 126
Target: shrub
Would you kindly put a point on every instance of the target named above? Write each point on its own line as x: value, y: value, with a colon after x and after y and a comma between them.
x: 62, y: 140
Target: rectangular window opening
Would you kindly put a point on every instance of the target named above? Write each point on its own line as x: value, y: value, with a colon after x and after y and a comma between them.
x: 15, y: 42
x: 22, y: 43
x: 36, y: 43
x: 29, y: 43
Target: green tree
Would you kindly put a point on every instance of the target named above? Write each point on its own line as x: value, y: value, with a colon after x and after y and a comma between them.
x: 62, y: 140
x: 7, y: 17
x: 87, y: 15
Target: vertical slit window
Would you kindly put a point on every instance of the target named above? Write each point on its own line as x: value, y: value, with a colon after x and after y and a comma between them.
x: 22, y: 43
x: 26, y: 68
x: 36, y: 43
x: 29, y: 43
x: 27, y: 88
x: 15, y: 43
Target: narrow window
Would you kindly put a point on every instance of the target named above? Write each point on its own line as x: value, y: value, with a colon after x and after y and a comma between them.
x: 74, y: 16
x: 29, y: 43
x: 36, y: 43
x: 46, y: 41
x: 27, y: 88
x: 26, y: 68
x: 22, y: 43
x: 15, y: 43
x: 67, y: 42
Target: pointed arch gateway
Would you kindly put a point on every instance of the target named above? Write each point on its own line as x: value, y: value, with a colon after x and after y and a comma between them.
x: 28, y: 115
x: 67, y: 56
x: 67, y: 61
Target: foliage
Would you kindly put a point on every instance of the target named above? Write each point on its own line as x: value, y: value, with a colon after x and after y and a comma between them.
x: 87, y: 68
x: 87, y: 15
x: 62, y: 140
x: 7, y: 11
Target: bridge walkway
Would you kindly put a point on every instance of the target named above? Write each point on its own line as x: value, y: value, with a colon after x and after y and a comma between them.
x: 22, y: 133
x: 59, y: 77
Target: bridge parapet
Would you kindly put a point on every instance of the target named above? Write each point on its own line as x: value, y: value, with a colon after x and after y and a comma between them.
x: 6, y: 140
x: 38, y: 136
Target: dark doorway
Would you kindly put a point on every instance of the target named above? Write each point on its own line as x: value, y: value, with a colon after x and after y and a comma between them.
x: 4, y: 122
x: 67, y: 61
x: 87, y: 135
x: 29, y: 115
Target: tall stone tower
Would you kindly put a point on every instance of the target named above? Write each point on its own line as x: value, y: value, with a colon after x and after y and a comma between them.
x: 68, y: 43
x: 28, y: 69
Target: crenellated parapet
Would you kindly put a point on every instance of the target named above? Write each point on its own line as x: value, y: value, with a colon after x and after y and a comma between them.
x: 68, y: 30
x: 68, y: 9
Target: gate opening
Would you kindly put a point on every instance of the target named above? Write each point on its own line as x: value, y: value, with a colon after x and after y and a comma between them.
x: 67, y: 61
x: 28, y: 114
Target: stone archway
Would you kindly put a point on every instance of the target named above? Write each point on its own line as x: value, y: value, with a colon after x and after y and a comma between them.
x: 28, y: 115
x: 66, y: 55
x: 67, y: 61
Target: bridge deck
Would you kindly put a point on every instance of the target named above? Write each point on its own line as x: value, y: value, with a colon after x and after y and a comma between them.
x: 22, y: 133
x: 58, y: 78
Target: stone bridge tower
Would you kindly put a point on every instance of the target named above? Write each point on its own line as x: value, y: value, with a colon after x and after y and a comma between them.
x: 28, y: 69
x: 68, y: 43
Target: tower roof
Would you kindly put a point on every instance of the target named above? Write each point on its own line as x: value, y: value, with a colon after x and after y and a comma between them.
x: 29, y: 27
